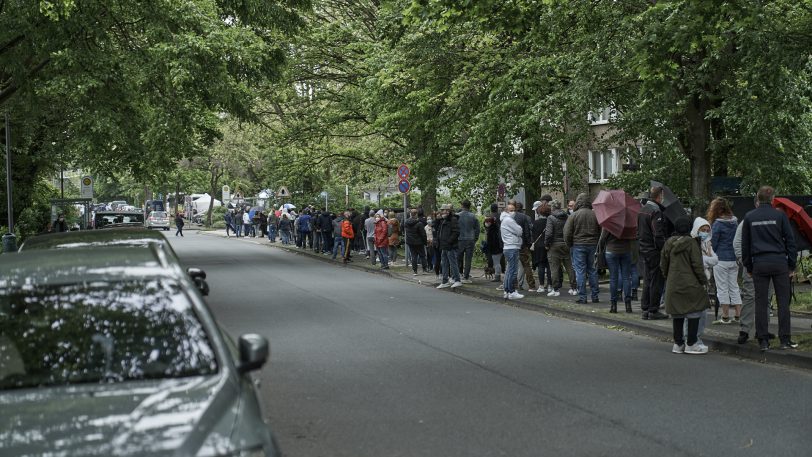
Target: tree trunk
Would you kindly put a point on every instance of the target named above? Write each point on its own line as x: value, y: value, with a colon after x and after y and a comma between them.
x: 428, y: 188
x: 216, y: 174
x: 694, y: 144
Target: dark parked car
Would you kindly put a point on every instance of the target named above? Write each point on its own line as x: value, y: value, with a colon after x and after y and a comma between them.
x: 110, y: 219
x: 106, y: 352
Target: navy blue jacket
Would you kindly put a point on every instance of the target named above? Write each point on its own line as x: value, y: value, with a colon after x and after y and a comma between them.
x: 723, y: 232
x: 767, y: 236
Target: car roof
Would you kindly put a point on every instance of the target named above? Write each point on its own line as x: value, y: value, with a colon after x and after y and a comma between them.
x: 70, y: 266
x: 94, y: 238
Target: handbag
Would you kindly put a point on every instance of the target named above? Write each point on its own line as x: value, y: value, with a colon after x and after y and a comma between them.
x: 533, y: 246
x: 600, y: 254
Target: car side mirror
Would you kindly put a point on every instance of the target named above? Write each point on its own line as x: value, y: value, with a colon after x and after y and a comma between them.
x: 199, y: 278
x: 196, y: 273
x: 254, y: 350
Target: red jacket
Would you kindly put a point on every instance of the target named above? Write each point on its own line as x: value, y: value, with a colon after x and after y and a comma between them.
x: 381, y: 234
x: 346, y: 229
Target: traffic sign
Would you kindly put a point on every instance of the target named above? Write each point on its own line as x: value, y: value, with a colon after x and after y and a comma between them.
x: 403, y: 172
x: 283, y: 192
x: 404, y: 186
x: 226, y: 194
x: 86, y: 190
x: 500, y: 191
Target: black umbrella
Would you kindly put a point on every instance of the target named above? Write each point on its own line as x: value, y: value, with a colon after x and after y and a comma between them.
x: 673, y: 207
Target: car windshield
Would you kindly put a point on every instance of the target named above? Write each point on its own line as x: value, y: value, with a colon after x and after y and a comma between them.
x: 100, y: 332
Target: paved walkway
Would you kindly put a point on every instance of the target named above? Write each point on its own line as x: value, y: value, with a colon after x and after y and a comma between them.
x: 717, y: 337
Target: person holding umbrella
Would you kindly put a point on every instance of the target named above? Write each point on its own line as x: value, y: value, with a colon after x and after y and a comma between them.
x: 652, y: 231
x: 617, y: 214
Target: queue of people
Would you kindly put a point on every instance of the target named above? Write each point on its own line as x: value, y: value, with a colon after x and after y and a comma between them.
x: 683, y: 263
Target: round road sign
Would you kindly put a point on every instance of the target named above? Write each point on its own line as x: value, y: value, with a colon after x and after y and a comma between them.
x: 404, y: 186
x: 403, y: 171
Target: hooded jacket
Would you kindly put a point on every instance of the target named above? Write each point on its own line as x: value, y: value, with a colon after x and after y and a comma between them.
x: 723, y: 231
x: 511, y: 232
x: 369, y: 226
x: 709, y: 258
x: 554, y: 231
x: 415, y: 232
x: 651, y: 229
x: 582, y: 227
x: 447, y: 233
x: 336, y: 224
x: 685, y: 280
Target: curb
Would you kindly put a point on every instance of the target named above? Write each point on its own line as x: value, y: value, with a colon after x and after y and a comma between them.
x: 796, y: 359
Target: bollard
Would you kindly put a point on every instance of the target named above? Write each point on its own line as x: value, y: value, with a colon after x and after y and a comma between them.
x: 9, y: 243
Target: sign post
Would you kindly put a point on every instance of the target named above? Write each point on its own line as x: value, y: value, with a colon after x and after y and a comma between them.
x: 226, y: 194
x: 404, y: 186
x: 86, y: 190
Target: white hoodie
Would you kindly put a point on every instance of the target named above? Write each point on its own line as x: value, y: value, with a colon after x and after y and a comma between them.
x: 709, y: 258
x: 511, y: 232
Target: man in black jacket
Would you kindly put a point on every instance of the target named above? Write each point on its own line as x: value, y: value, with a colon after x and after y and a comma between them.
x: 769, y: 254
x: 652, y: 233
x: 415, y: 231
x: 448, y: 233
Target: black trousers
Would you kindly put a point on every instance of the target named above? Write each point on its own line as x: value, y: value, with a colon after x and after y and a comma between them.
x: 778, y: 273
x: 653, y: 288
x: 418, y: 253
x: 693, y: 329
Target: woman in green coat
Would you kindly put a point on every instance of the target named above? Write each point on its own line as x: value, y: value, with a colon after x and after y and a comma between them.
x: 686, y: 295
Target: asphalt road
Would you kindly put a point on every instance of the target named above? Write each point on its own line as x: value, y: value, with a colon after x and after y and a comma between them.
x: 365, y: 365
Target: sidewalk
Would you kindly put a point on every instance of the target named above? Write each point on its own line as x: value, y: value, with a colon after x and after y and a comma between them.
x: 720, y: 338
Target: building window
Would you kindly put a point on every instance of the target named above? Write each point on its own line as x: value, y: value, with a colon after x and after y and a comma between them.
x: 603, y: 116
x: 602, y: 165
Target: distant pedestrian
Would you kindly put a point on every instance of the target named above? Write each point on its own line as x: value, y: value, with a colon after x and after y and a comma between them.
x: 60, y: 225
x: 525, y: 269
x: 273, y: 225
x: 382, y: 239
x: 246, y: 223
x: 620, y: 257
x: 394, y: 236
x: 469, y: 234
x: 685, y: 286
x: 348, y: 235
x: 285, y: 226
x: 770, y: 256
x: 229, y: 220
x: 416, y: 241
x: 702, y: 233
x: 747, y: 323
x: 338, y: 240
x: 432, y: 255
x: 447, y: 237
x: 541, y: 261
x: 179, y: 224
x: 493, y: 239
x: 557, y: 250
x: 511, y: 233
x: 581, y: 233
x: 326, y: 227
x: 369, y: 228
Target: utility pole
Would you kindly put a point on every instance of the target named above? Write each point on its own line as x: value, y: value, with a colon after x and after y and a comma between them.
x: 9, y: 240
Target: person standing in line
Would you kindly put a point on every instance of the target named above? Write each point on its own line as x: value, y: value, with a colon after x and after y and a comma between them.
x: 369, y: 227
x: 726, y: 272
x: 469, y: 234
x: 326, y: 225
x: 747, y: 323
x: 432, y: 256
x: 416, y: 241
x: 447, y: 236
x: 237, y: 220
x: 686, y: 285
x: 246, y: 223
x: 179, y: 224
x: 619, y: 258
x: 540, y: 259
x: 273, y: 225
x: 651, y: 233
x: 581, y: 233
x: 769, y: 255
x: 394, y: 236
x: 495, y: 249
x: 338, y: 239
x: 285, y: 228
x: 525, y: 269
x: 511, y: 233
x: 702, y: 234
x: 382, y: 239
x: 557, y: 250
x: 348, y: 234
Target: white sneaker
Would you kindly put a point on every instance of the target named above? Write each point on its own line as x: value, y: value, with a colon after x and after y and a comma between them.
x: 505, y: 295
x: 467, y: 281
x: 444, y: 285
x: 696, y: 349
x: 500, y: 287
x: 414, y: 274
x: 573, y: 292
x: 456, y: 284
x: 553, y: 293
x: 514, y: 296
x: 678, y: 349
x: 541, y: 290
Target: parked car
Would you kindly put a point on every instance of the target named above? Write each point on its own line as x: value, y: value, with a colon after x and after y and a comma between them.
x: 158, y: 219
x: 109, y: 219
x: 116, y: 203
x: 107, y: 352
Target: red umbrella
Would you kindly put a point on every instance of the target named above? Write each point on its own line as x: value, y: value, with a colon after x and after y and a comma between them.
x: 617, y: 212
x: 796, y: 214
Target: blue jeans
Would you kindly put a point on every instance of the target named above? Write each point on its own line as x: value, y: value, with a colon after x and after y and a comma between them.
x: 512, y: 266
x: 383, y: 256
x: 338, y: 246
x: 620, y: 266
x: 272, y: 233
x: 583, y: 259
x: 449, y: 260
x: 238, y: 229
x: 285, y: 236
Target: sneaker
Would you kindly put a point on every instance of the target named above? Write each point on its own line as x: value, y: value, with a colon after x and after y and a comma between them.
x: 696, y: 349
x: 514, y: 296
x: 456, y: 284
x: 573, y: 292
x: 505, y: 295
x: 764, y: 345
x: 500, y: 287
x: 737, y: 319
x: 541, y: 290
x: 743, y: 337
x: 580, y: 302
x: 678, y: 349
x: 414, y: 274
x: 444, y: 285
x: 467, y: 281
x: 788, y: 344
x: 553, y: 293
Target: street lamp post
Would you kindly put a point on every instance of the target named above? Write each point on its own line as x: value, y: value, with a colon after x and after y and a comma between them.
x: 9, y: 240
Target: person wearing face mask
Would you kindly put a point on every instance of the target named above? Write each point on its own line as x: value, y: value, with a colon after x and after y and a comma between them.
x: 447, y: 237
x: 60, y: 225
x: 726, y: 272
x: 702, y: 233
x: 511, y: 233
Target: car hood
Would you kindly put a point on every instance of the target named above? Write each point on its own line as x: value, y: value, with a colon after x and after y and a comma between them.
x: 189, y: 416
